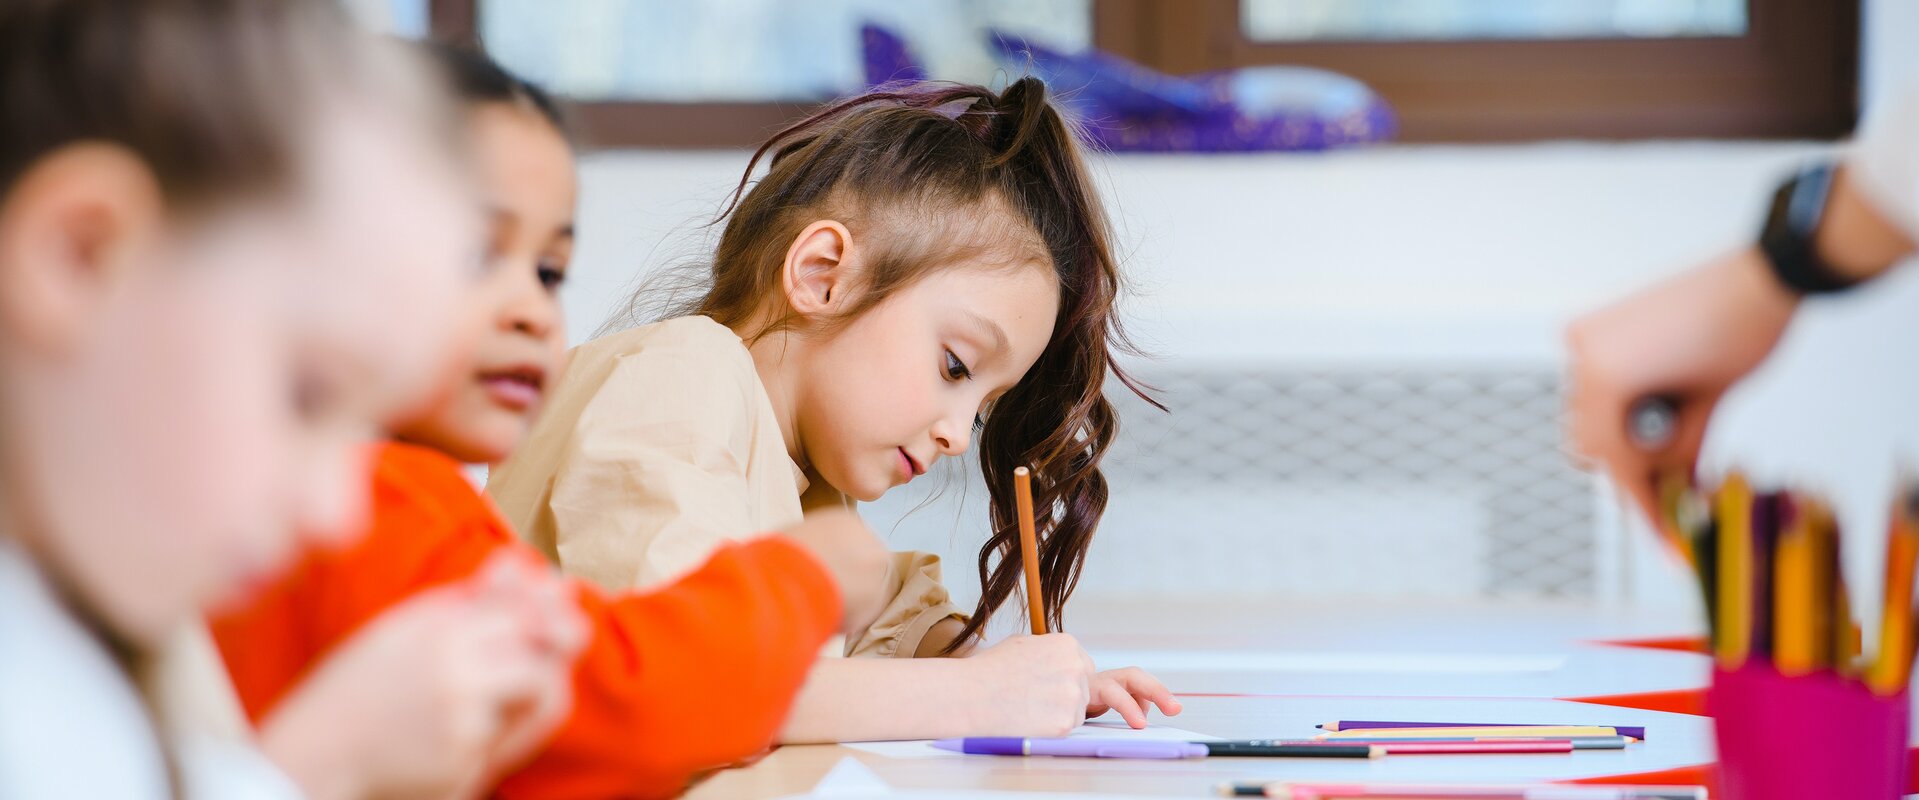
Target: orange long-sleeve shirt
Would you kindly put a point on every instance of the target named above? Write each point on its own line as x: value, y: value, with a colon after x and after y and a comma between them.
x: 695, y: 675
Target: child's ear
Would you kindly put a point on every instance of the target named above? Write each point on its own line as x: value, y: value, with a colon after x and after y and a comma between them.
x: 815, y: 276
x: 68, y: 230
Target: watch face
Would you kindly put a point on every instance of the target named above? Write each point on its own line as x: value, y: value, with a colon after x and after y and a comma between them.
x: 1787, y: 239
x: 1806, y: 203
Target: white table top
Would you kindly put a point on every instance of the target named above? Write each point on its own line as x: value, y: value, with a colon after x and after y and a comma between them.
x: 1278, y: 674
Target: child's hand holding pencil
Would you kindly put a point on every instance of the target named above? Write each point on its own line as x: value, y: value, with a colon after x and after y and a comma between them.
x: 1047, y: 685
x: 1129, y: 690
x: 1038, y: 686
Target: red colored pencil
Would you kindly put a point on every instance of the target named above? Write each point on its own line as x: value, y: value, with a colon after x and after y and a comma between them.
x: 1391, y: 747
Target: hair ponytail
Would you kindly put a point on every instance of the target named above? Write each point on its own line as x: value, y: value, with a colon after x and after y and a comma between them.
x: 1058, y: 422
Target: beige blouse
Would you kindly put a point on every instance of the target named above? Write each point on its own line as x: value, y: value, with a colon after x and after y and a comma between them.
x: 659, y: 443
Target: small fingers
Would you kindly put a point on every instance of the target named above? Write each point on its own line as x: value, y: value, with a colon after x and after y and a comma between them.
x: 1114, y: 695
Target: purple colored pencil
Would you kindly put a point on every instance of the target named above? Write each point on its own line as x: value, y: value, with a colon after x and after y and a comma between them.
x: 1635, y: 731
x: 1765, y: 541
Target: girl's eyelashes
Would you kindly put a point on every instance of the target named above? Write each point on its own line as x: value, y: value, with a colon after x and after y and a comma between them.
x: 551, y: 276
x: 956, y: 370
x: 979, y: 419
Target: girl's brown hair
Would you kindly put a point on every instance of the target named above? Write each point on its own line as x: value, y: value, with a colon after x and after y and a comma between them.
x: 928, y: 176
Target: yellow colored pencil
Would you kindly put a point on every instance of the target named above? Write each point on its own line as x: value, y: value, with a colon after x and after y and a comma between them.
x: 1845, y: 633
x: 1734, y: 506
x: 1797, y: 595
x: 1794, y: 639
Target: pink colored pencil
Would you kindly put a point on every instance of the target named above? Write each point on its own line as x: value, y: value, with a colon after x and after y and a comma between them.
x: 1464, y: 747
x: 1336, y: 791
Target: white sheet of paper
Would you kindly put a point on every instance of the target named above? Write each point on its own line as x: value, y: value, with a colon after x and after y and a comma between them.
x: 850, y: 778
x: 1097, y: 729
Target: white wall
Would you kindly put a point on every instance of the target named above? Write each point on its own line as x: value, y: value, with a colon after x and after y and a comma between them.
x: 1397, y: 255
x: 1464, y: 252
x: 1887, y: 54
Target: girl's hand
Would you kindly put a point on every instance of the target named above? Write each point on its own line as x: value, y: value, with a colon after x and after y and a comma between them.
x: 438, y: 695
x: 556, y: 628
x: 1030, y: 686
x: 1129, y: 691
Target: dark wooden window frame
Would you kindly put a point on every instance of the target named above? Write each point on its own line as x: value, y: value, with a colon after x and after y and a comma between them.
x: 1793, y: 75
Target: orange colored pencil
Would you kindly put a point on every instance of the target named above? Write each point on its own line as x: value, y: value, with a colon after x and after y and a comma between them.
x: 1893, y: 662
x: 1029, y: 547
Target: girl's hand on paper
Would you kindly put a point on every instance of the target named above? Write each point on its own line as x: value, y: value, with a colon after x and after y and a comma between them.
x: 1129, y: 691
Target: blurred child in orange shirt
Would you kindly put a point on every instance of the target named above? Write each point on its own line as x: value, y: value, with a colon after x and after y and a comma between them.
x: 693, y: 676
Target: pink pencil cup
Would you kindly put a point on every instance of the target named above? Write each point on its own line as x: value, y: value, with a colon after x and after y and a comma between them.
x: 1813, y: 736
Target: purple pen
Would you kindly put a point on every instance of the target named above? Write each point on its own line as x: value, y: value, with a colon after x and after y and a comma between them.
x: 1634, y: 731
x: 1083, y: 748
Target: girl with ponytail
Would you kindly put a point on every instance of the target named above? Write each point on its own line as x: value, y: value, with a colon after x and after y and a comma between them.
x: 916, y: 269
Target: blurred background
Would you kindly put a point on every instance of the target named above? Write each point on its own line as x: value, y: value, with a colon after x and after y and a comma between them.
x: 1354, y: 241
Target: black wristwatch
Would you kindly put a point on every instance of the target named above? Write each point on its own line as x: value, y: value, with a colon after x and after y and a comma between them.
x: 1787, y: 238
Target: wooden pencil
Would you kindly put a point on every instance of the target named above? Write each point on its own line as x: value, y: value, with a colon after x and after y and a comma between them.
x: 1825, y: 576
x: 1795, y: 637
x: 1891, y: 663
x: 1484, y: 731
x: 1029, y: 547
x: 1733, y: 628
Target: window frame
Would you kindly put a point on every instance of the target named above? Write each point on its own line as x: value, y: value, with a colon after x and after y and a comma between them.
x: 1794, y: 74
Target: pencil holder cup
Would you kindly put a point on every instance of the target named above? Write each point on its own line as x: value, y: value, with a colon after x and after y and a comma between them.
x: 1812, y: 736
